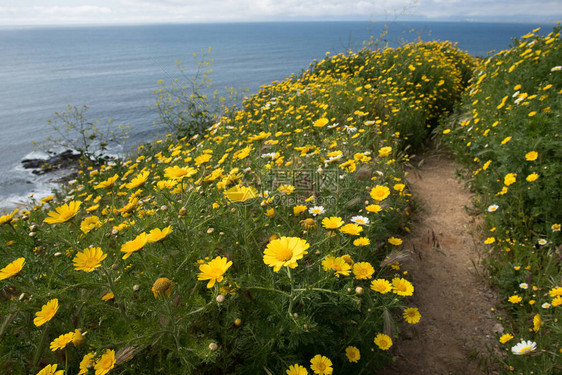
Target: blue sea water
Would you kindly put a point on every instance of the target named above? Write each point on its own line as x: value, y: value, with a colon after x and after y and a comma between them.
x: 114, y: 70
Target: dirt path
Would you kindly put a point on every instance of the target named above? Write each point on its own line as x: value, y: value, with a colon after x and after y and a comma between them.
x: 457, y: 320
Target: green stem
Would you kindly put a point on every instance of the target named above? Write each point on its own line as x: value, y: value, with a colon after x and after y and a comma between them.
x: 41, y: 346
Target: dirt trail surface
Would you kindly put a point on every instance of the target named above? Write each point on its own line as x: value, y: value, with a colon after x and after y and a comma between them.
x: 455, y: 304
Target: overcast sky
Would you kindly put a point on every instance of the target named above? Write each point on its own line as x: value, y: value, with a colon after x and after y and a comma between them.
x: 56, y: 12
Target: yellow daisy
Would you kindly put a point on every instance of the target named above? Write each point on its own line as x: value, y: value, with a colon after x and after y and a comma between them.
x: 214, y: 270
x: 135, y: 245
x: 12, y: 269
x: 89, y: 259
x: 63, y: 213
x: 47, y: 312
x: 285, y: 251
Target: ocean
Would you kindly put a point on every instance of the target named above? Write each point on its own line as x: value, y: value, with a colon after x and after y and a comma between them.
x: 114, y: 70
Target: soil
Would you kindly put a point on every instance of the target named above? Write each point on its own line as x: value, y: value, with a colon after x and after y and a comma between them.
x: 450, y: 289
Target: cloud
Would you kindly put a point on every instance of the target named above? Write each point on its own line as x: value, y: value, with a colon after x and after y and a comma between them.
x: 71, y: 11
x: 184, y: 11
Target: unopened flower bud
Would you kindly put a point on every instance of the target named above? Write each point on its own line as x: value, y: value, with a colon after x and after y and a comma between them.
x: 136, y: 287
x: 164, y: 208
x: 58, y: 254
x: 210, y: 230
x: 213, y: 346
x: 220, y: 298
x: 182, y: 211
x: 115, y: 231
x: 32, y: 234
x: 238, y: 322
x: 359, y: 290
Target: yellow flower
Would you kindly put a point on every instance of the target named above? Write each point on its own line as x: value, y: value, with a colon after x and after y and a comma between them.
x: 61, y: 341
x: 532, y: 177
x: 108, y: 296
x: 105, y: 363
x: 555, y: 292
x: 285, y: 251
x: 384, y: 342
x: 351, y: 229
x: 63, y: 213
x: 321, y: 122
x: 309, y: 223
x: 402, y: 287
x: 179, y: 173
x: 510, y: 178
x: 557, y: 301
x: 506, y: 139
x: 395, y: 241
x: 505, y: 338
x: 86, y: 361
x: 537, y: 323
x: 333, y: 222
x: 531, y: 156
x: 161, y: 286
x: 297, y: 370
x: 89, y: 259
x: 489, y: 240
x: 384, y: 151
x: 297, y: 210
x: 138, y: 180
x: 158, y: 234
x: 374, y: 208
x: 135, y: 245
x: 47, y: 312
x: 399, y: 187
x: 352, y: 354
x: 380, y: 193
x: 5, y: 219
x: 382, y: 286
x: 286, y: 189
x: 202, y: 159
x: 270, y: 213
x: 50, y: 370
x: 107, y: 183
x: 240, y: 193
x: 12, y: 269
x: 337, y: 264
x: 515, y: 299
x: 363, y: 270
x: 362, y: 241
x: 321, y: 365
x: 90, y: 223
x: 214, y: 270
x: 411, y: 315
x: 78, y: 338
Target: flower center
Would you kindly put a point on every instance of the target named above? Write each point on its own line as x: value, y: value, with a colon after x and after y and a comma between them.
x: 284, y: 254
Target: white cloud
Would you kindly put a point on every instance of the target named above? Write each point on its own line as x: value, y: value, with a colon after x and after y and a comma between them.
x: 71, y: 11
x: 161, y: 11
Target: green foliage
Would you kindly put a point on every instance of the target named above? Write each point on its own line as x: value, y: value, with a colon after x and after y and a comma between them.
x: 512, y: 129
x: 90, y: 139
x: 185, y: 105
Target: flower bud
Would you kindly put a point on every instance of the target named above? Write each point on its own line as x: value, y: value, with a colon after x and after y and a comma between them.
x: 359, y: 290
x: 220, y: 298
x: 213, y: 346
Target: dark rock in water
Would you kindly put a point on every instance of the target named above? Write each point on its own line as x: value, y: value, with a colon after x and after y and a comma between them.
x: 64, y: 160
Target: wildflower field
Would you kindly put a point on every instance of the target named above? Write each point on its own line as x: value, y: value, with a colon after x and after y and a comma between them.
x: 508, y: 138
x: 271, y: 241
x: 261, y: 245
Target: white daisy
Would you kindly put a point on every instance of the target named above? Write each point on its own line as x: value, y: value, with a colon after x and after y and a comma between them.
x: 542, y: 242
x: 316, y: 210
x: 545, y: 305
x: 556, y: 68
x: 360, y: 220
x: 493, y: 208
x: 523, y: 285
x: 524, y: 347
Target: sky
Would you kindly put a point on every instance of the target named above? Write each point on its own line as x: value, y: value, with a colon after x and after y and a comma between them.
x: 72, y: 12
